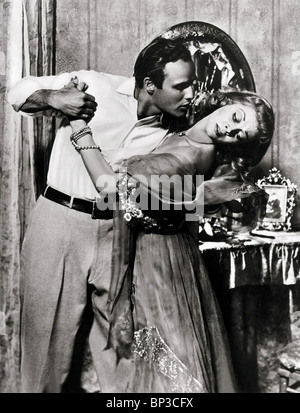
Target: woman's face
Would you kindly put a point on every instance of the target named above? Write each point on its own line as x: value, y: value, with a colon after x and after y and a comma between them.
x: 232, y: 124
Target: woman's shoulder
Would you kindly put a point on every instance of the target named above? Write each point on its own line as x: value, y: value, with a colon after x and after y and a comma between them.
x: 196, y: 159
x: 200, y: 157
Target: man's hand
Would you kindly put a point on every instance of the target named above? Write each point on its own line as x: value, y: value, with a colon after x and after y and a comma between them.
x: 73, y: 101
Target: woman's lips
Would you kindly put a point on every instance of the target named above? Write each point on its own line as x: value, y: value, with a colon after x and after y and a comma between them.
x: 218, y: 131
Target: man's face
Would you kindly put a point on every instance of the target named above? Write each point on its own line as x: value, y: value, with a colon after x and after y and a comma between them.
x: 177, y: 89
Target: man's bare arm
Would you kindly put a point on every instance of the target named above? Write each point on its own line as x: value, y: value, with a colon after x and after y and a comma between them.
x: 69, y: 100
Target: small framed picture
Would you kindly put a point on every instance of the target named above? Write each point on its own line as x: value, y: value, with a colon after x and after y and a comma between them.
x: 277, y: 202
x: 281, y: 202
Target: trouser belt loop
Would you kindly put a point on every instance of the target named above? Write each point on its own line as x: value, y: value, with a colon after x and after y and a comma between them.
x: 45, y: 191
x: 71, y: 202
x: 94, y: 210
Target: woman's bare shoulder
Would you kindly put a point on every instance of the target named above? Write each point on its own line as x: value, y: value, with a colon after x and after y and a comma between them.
x: 200, y: 158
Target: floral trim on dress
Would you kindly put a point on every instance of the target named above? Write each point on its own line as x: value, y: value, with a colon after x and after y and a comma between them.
x: 246, y: 188
x: 136, y: 217
x: 149, y: 346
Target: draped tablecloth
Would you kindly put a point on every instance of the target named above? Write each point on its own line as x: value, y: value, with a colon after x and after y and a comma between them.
x: 256, y: 260
x: 256, y: 281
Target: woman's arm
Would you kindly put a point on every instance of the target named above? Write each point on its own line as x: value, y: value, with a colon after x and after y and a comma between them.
x: 101, y: 173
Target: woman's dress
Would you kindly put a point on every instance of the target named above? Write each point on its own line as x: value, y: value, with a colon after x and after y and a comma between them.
x: 163, y: 312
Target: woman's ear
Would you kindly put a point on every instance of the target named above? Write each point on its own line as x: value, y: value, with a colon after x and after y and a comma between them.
x: 149, y: 85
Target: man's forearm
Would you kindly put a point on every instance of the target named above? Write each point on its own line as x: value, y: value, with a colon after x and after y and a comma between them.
x: 40, y: 100
x: 68, y: 100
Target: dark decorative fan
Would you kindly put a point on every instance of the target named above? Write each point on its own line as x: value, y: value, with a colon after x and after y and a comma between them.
x: 219, y: 61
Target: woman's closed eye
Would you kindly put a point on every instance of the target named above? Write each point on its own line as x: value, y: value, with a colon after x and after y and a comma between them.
x: 237, y: 116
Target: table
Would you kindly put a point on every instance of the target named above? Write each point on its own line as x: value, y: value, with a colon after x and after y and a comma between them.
x: 256, y: 260
x: 256, y: 280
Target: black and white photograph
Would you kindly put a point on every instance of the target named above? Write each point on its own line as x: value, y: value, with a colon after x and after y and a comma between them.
x: 150, y: 212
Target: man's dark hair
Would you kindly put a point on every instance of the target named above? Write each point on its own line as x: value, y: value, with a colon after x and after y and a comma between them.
x: 152, y: 60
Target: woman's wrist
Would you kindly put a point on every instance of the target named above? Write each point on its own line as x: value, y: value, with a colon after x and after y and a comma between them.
x: 83, y: 139
x: 77, y: 124
x: 86, y: 140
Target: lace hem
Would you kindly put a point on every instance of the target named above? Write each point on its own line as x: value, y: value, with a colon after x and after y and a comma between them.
x: 149, y: 346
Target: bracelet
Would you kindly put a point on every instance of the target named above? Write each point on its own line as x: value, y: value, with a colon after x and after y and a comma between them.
x: 75, y: 136
x: 79, y: 148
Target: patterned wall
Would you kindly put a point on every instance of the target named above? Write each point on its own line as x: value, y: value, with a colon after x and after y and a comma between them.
x: 106, y: 35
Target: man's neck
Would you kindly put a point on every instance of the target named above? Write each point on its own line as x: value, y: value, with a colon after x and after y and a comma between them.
x: 145, y: 107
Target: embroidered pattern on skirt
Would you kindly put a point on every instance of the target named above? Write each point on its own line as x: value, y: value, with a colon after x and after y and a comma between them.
x: 149, y: 346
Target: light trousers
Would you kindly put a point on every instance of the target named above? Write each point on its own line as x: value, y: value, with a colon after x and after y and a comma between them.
x: 65, y: 270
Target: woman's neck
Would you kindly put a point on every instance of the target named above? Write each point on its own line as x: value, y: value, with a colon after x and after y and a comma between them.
x: 197, y: 132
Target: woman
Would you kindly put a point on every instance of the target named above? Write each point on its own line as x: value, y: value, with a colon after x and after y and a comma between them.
x: 162, y: 311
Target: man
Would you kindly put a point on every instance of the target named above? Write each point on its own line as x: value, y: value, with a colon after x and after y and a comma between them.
x: 66, y: 253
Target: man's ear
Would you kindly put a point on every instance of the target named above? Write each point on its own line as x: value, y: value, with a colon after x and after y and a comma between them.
x: 149, y: 85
